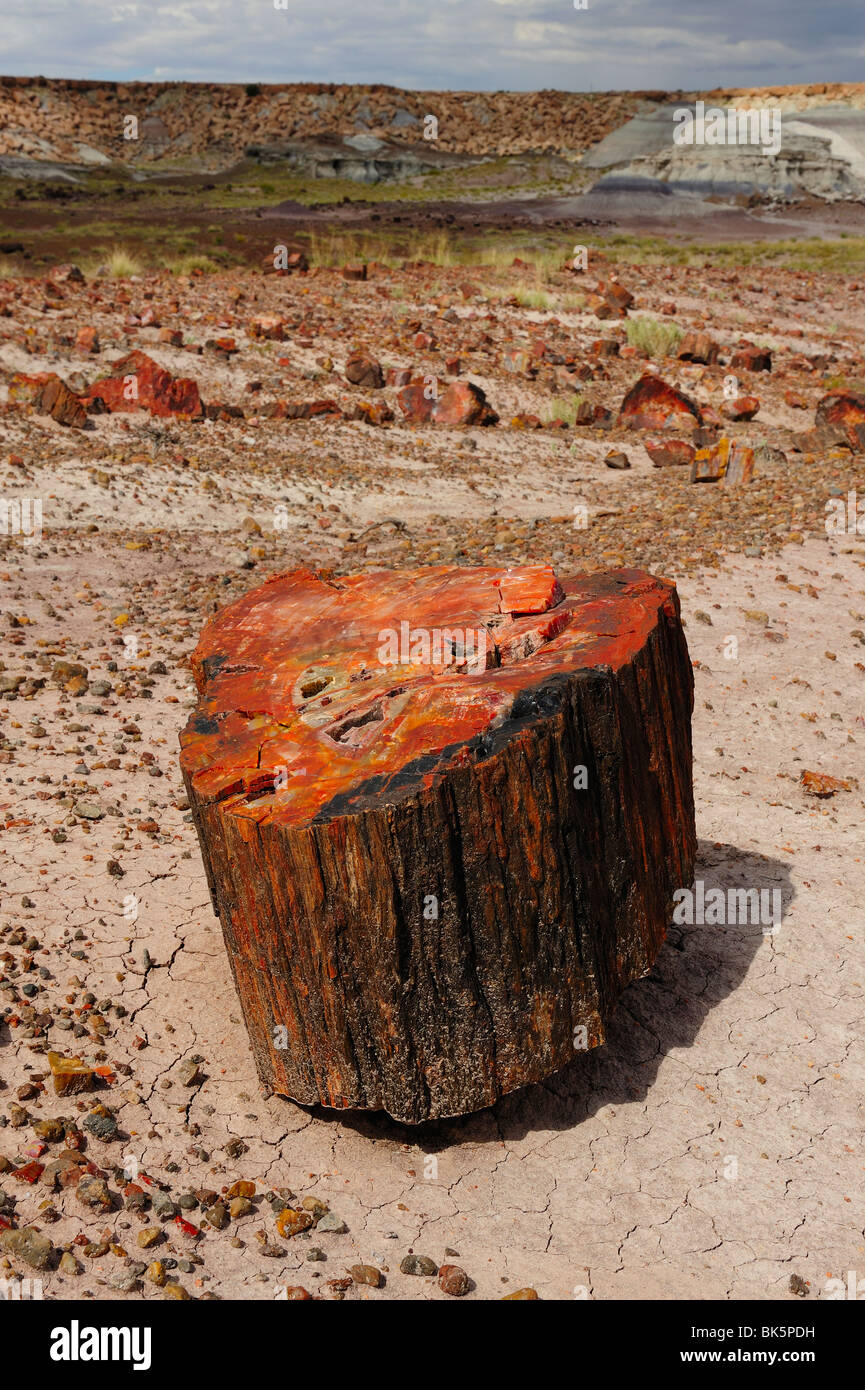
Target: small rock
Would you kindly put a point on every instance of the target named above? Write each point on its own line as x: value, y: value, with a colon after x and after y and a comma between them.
x: 454, y: 1281
x: 419, y: 1264
x: 93, y: 1192
x: 290, y: 1222
x: 28, y: 1245
x: 331, y: 1222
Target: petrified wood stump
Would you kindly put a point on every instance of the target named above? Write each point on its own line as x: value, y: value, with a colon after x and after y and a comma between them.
x: 442, y: 813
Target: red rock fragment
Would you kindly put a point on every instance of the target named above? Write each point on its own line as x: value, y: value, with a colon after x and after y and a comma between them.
x: 616, y: 295
x: 139, y: 383
x: 587, y: 413
x: 743, y: 408
x: 821, y: 784
x: 364, y: 371
x: 454, y: 1281
x: 748, y: 357
x: 697, y: 347
x: 740, y: 466
x: 670, y: 453
x: 218, y: 410
x: 271, y: 326
x: 372, y: 413
x: 653, y: 404
x: 310, y: 410
x: 87, y: 341
x: 30, y: 1172
x: 462, y: 403
x: 843, y: 411
x: 56, y: 400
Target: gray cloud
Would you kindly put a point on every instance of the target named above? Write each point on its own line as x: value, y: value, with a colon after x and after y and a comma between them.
x: 518, y: 45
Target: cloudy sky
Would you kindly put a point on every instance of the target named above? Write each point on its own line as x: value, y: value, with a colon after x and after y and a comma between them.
x: 519, y: 45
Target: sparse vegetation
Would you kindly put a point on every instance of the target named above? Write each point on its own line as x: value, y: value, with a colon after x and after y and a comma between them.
x: 563, y: 408
x: 122, y: 263
x: 653, y: 337
x: 185, y: 265
x: 534, y: 299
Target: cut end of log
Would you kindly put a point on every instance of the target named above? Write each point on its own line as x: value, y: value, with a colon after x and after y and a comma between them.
x: 442, y: 813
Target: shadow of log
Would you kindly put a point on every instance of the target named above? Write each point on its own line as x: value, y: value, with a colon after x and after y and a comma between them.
x: 698, y: 968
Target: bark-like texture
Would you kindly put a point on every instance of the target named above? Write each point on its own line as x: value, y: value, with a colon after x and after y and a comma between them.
x: 336, y: 797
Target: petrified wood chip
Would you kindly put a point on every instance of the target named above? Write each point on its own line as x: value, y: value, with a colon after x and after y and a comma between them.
x: 653, y: 404
x: 844, y: 411
x: 442, y: 813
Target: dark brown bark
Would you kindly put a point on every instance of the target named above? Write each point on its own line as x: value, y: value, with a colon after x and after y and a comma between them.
x: 551, y: 898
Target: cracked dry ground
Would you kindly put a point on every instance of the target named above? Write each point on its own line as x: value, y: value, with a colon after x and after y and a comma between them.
x: 610, y: 1178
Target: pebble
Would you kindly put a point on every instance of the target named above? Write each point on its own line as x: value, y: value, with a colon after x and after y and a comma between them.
x: 331, y: 1222
x: 217, y: 1215
x: 101, y: 1126
x: 190, y: 1072
x: 290, y: 1222
x: 418, y: 1264
x: 28, y: 1245
x: 93, y: 1192
x: 454, y: 1281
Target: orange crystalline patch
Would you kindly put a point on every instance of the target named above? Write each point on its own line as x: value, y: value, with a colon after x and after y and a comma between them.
x: 530, y: 589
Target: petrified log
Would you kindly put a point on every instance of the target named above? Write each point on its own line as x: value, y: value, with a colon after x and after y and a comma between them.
x: 442, y: 813
x: 652, y: 404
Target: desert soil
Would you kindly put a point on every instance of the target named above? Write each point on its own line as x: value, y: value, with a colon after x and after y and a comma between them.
x: 712, y: 1147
